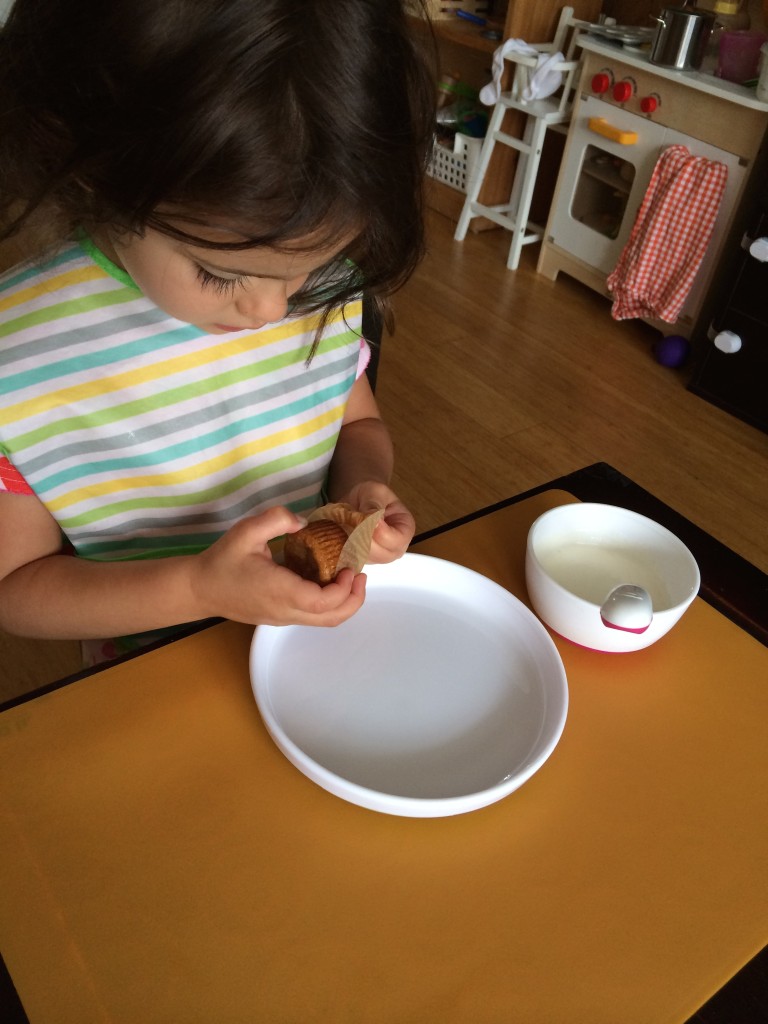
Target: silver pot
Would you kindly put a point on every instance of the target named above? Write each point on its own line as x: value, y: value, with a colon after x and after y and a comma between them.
x: 681, y: 38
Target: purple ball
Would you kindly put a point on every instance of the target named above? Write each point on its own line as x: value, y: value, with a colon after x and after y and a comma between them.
x: 672, y: 350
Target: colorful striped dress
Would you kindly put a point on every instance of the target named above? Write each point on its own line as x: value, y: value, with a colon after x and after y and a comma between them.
x: 143, y: 435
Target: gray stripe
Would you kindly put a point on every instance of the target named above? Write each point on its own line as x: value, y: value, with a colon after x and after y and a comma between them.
x: 197, y: 417
x: 56, y: 343
x: 241, y: 504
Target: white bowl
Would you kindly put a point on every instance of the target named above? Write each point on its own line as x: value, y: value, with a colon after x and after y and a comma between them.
x: 578, y: 553
x: 443, y: 694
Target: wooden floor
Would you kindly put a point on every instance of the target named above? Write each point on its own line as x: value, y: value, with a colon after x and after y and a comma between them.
x: 497, y: 381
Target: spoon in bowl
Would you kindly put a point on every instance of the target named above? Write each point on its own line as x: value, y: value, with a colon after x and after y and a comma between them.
x: 627, y: 607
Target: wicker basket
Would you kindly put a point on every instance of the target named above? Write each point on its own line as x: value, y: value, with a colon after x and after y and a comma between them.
x: 455, y: 166
x: 438, y: 9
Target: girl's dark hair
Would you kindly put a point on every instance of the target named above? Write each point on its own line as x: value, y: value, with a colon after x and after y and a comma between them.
x: 299, y: 118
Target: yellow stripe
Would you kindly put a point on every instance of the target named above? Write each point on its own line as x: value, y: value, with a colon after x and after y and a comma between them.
x: 58, y: 283
x: 167, y: 368
x: 229, y: 459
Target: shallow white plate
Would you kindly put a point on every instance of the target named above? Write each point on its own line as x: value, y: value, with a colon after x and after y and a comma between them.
x: 443, y: 694
x: 632, y: 34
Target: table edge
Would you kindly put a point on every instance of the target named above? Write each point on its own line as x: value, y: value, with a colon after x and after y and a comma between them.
x: 745, y: 993
x: 747, y: 606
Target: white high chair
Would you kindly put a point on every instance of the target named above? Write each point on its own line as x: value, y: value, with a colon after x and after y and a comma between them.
x: 540, y: 115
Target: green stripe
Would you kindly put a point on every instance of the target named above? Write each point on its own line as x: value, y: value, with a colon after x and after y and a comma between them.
x: 164, y: 546
x: 97, y: 358
x: 61, y: 310
x: 163, y: 399
x: 201, y: 497
x: 198, y: 444
x: 164, y: 549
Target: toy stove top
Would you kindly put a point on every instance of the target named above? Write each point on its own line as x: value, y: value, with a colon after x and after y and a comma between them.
x: 639, y: 58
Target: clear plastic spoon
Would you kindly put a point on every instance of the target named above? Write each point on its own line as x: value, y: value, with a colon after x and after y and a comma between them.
x: 627, y: 607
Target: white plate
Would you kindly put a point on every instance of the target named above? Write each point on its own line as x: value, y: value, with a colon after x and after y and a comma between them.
x: 443, y: 694
x: 632, y: 35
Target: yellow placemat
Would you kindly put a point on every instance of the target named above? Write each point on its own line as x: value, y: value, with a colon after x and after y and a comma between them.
x: 162, y: 862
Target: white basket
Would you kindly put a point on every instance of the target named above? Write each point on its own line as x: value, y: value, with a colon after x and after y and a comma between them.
x: 455, y: 166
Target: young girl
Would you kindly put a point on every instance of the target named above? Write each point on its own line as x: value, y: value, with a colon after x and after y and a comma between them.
x: 181, y: 375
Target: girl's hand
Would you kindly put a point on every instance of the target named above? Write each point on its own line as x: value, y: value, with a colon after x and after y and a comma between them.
x: 395, y: 531
x: 46, y: 593
x: 237, y: 579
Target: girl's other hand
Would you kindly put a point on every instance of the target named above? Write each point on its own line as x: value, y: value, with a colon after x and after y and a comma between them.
x: 236, y: 578
x: 395, y: 531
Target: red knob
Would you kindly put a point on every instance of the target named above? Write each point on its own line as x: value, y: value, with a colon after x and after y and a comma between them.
x: 601, y: 82
x: 622, y: 91
x: 648, y: 104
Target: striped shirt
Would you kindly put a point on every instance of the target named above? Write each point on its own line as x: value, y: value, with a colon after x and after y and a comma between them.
x: 143, y: 435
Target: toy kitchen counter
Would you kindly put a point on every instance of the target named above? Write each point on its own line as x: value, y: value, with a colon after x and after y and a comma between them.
x: 627, y: 113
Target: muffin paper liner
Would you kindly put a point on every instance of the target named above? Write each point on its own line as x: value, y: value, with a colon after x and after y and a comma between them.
x: 358, y: 526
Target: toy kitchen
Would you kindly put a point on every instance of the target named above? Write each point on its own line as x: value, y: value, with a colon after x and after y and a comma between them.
x: 627, y: 113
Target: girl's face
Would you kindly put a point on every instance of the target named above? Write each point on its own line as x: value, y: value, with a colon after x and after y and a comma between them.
x: 217, y: 290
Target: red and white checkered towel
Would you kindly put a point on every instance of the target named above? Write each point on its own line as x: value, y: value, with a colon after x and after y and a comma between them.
x: 669, y: 238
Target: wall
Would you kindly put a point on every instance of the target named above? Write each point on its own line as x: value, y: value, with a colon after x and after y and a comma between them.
x: 629, y: 12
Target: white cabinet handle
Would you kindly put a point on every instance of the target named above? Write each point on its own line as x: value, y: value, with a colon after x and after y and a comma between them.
x: 759, y: 249
x: 727, y: 342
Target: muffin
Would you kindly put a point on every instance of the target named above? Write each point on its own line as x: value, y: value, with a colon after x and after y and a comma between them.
x: 313, y: 552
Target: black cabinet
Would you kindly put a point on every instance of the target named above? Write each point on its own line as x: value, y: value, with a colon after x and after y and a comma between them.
x: 733, y: 371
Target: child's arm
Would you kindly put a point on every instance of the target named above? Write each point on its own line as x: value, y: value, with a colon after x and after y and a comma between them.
x: 361, y: 470
x: 49, y: 594
x: 46, y: 593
